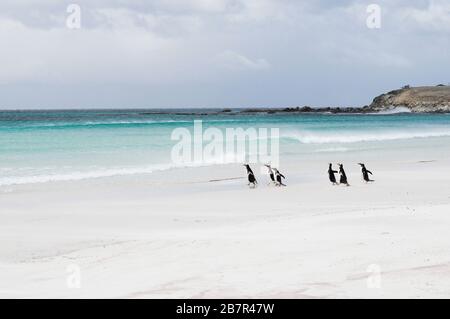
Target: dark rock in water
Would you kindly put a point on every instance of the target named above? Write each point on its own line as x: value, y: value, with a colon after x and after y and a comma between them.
x: 291, y: 109
x: 308, y: 109
x: 426, y: 99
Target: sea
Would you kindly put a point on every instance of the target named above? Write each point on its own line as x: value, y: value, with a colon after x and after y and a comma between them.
x: 43, y: 146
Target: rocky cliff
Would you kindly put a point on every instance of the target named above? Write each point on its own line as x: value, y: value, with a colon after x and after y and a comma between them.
x: 433, y: 99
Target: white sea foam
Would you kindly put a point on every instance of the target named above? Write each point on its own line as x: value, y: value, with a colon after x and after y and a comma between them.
x: 105, y: 123
x: 355, y: 137
x: 332, y: 150
x: 395, y: 110
x: 45, y: 177
x: 81, y: 175
x: 126, y: 122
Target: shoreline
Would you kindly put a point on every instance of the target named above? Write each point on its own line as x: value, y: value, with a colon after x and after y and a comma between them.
x: 363, y: 110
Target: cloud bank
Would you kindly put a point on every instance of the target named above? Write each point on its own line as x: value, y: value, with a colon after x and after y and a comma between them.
x: 217, y: 53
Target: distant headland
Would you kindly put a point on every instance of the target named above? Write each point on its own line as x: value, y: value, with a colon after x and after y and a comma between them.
x: 425, y: 99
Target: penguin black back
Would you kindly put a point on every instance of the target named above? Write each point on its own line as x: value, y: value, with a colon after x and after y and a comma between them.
x: 279, y: 177
x: 251, y: 177
x: 365, y: 173
x: 249, y: 170
x: 331, y: 173
x: 343, y: 177
x: 272, y: 176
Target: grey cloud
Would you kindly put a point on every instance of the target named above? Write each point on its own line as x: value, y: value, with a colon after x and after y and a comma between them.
x: 234, y: 60
x: 275, y: 52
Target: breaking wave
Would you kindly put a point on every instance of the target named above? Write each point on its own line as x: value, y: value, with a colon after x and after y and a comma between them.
x: 395, y: 110
x: 355, y: 137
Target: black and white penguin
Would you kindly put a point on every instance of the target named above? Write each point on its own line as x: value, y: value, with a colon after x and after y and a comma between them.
x: 343, y: 178
x: 278, y: 177
x: 331, y: 173
x: 365, y: 173
x: 251, y: 176
x: 272, y: 176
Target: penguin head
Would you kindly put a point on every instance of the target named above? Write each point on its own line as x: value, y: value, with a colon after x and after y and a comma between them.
x: 361, y: 164
x: 249, y: 170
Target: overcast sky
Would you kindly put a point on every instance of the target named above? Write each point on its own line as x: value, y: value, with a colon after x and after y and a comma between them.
x: 217, y: 53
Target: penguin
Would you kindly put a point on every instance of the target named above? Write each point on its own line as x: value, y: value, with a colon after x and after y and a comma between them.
x: 251, y: 176
x: 272, y: 176
x: 365, y: 173
x: 331, y: 173
x: 278, y: 177
x: 343, y: 178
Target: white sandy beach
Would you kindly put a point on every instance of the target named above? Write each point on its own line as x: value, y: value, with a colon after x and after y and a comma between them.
x: 114, y: 116
x: 176, y: 235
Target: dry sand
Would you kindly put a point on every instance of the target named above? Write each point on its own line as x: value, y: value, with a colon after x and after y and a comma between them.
x: 177, y: 235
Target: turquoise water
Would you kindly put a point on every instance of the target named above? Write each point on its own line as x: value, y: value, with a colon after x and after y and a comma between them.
x: 42, y: 146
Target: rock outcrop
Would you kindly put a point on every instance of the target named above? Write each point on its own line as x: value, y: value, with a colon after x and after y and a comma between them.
x: 425, y: 99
